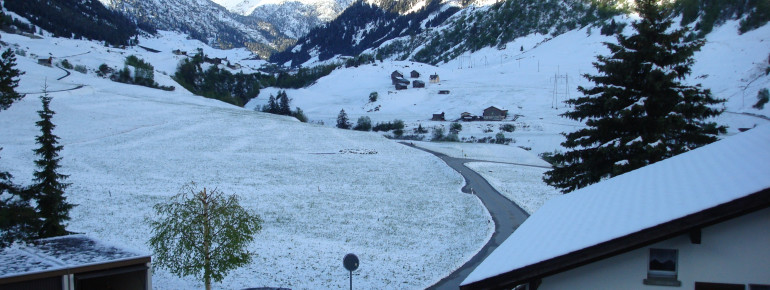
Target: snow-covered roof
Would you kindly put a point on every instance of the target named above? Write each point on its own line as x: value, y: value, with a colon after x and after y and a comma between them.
x: 679, y: 187
x: 58, y: 253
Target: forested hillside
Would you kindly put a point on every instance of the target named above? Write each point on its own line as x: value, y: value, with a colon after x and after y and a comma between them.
x: 77, y: 19
x: 441, y: 32
x: 358, y: 28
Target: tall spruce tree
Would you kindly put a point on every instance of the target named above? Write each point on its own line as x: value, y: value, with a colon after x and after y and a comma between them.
x: 272, y: 106
x: 284, y: 106
x: 9, y: 80
x: 18, y: 219
x: 342, y: 120
x: 49, y: 188
x: 639, y: 112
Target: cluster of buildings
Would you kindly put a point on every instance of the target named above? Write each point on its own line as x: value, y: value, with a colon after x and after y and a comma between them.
x: 490, y: 114
x: 401, y: 83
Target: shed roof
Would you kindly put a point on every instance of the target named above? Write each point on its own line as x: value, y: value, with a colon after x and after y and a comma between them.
x: 725, y: 178
x: 53, y: 255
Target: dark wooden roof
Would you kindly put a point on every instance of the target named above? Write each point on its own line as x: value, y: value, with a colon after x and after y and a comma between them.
x: 63, y: 255
x: 684, y: 225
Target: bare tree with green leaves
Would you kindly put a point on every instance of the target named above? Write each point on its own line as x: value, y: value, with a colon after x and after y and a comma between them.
x: 202, y: 233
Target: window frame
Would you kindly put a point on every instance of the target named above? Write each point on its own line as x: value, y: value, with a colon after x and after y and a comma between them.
x: 661, y: 277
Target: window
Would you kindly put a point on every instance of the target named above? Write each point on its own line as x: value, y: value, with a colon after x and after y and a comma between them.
x: 718, y: 286
x: 662, y: 268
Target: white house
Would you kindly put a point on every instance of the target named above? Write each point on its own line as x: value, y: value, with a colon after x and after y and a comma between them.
x: 699, y: 220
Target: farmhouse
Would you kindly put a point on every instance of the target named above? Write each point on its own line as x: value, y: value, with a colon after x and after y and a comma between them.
x: 45, y: 61
x: 494, y: 114
x: 434, y: 78
x: 438, y: 117
x: 73, y: 262
x: 415, y: 74
x: 418, y: 84
x: 698, y: 220
x: 397, y: 77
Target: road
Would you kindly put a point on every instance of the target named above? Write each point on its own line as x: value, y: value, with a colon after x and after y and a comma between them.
x: 506, y: 215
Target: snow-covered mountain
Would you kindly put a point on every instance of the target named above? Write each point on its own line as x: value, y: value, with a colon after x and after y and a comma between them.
x: 204, y: 20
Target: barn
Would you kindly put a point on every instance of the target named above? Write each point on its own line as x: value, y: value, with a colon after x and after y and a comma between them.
x: 494, y: 114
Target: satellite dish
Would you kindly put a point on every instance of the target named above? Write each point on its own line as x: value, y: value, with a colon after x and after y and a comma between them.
x: 350, y: 262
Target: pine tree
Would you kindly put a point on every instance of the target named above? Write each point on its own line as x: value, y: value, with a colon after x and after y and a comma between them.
x: 18, y: 219
x: 342, y: 120
x: 284, y: 106
x: 638, y: 112
x: 9, y: 80
x: 48, y: 189
x: 272, y: 106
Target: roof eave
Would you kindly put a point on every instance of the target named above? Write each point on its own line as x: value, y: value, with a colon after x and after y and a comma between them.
x: 720, y: 213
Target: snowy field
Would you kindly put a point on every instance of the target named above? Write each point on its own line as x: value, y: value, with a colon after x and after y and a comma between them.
x: 322, y: 192
x: 325, y: 192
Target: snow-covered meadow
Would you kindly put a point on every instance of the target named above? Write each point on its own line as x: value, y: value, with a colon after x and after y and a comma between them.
x: 322, y: 192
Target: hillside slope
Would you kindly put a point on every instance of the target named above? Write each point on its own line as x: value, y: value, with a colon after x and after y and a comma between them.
x: 530, y: 77
x: 321, y: 192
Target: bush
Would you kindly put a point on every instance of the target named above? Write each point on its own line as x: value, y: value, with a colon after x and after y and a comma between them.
x: 104, y: 70
x: 395, y: 125
x: 81, y: 69
x: 66, y: 64
x: 763, y: 96
x: 438, y: 134
x: 500, y: 139
x: 300, y: 115
x: 420, y: 129
x: 507, y: 127
x: 363, y: 124
x: 455, y: 128
x: 407, y: 137
x: 373, y: 97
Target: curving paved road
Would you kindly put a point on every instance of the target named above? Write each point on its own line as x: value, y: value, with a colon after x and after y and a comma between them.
x: 506, y: 215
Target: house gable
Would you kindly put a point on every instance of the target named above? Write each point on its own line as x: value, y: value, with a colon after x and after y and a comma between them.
x: 634, y: 241
x: 714, y: 183
x: 732, y: 252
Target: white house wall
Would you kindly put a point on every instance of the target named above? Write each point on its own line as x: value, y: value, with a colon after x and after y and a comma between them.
x: 736, y: 251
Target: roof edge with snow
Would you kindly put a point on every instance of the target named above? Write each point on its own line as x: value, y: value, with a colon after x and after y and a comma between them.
x: 684, y: 225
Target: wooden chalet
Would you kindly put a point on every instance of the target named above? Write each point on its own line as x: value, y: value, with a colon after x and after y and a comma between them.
x: 443, y: 92
x: 398, y: 78
x: 418, y: 84
x: 402, y: 86
x: 45, y: 61
x: 438, y: 117
x: 434, y: 79
x: 415, y: 74
x: 494, y: 114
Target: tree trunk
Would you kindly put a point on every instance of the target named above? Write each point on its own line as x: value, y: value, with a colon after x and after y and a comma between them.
x: 206, y: 240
